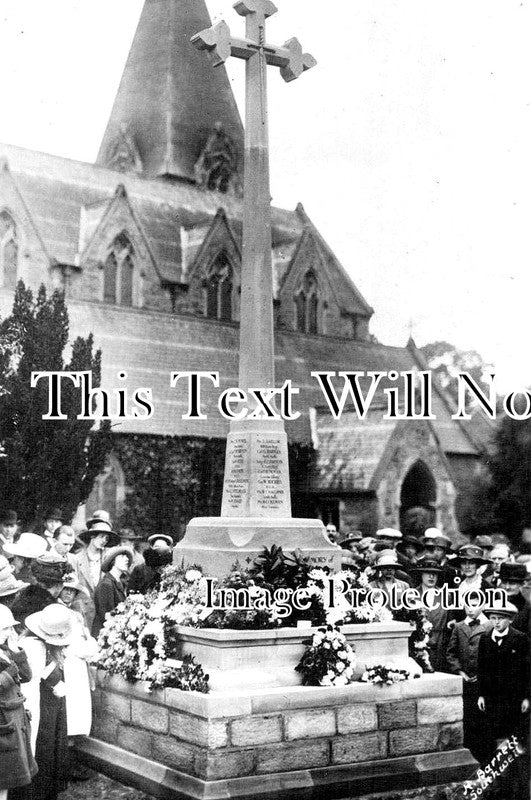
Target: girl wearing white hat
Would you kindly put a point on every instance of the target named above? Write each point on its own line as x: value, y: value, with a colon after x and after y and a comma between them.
x: 77, y: 657
x: 17, y: 765
x: 49, y: 633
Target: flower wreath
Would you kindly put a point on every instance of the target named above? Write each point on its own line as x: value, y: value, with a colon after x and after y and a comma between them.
x: 328, y: 660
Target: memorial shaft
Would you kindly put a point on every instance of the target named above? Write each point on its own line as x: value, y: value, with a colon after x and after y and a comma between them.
x: 256, y: 481
x: 256, y: 316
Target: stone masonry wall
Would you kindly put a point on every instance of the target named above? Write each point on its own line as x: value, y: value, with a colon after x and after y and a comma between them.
x: 222, y: 736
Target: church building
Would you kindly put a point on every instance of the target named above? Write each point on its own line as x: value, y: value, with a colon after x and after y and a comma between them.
x: 146, y: 244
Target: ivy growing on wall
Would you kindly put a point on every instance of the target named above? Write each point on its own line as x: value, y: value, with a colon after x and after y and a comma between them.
x: 173, y: 479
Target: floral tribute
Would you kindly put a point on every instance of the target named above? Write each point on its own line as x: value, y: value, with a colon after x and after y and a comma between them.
x: 328, y: 661
x: 418, y: 641
x: 138, y: 640
x: 385, y: 676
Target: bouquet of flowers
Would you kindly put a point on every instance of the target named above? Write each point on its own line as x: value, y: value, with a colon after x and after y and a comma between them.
x: 138, y: 641
x: 119, y: 653
x: 183, y: 591
x: 186, y: 675
x: 385, y: 676
x: 329, y: 659
x: 262, y: 617
x: 343, y: 612
x: 418, y: 641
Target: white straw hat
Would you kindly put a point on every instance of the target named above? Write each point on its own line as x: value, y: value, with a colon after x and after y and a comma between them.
x: 53, y: 624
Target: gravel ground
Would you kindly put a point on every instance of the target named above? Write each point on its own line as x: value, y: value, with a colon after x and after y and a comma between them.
x: 101, y: 788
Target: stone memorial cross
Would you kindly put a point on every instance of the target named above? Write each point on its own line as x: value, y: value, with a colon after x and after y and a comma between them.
x: 256, y: 506
x: 256, y: 472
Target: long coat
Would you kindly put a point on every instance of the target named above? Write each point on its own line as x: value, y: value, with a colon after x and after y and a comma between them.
x: 17, y: 765
x: 48, y: 712
x: 503, y: 680
x: 77, y: 678
x: 29, y: 601
x: 83, y: 603
x: 462, y: 650
x: 109, y: 593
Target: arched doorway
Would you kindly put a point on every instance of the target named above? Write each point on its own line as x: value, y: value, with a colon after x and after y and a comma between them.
x: 419, y: 491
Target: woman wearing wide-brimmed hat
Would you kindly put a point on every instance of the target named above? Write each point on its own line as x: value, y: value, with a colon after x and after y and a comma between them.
x: 386, y: 580
x: 49, y: 633
x: 9, y: 585
x: 426, y: 574
x: 468, y: 560
x: 17, y: 765
x: 88, y: 561
x: 23, y: 553
x: 111, y: 589
x: 48, y: 572
x: 77, y: 657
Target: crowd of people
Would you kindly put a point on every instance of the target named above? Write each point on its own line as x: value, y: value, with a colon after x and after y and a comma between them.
x: 487, y: 645
x: 56, y: 588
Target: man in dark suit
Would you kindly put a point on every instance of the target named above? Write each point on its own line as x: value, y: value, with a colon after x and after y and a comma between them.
x: 512, y: 580
x: 503, y: 677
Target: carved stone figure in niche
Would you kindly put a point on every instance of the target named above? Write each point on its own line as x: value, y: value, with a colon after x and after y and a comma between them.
x: 215, y: 168
x: 123, y: 154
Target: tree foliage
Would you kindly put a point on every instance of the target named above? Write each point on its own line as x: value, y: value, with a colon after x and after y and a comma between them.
x: 446, y: 360
x: 173, y: 479
x: 45, y: 462
x: 510, y: 470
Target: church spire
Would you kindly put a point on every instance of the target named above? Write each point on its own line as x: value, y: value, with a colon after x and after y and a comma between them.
x: 173, y: 115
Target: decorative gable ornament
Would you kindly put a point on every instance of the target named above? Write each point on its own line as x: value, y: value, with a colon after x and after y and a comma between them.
x: 216, y: 167
x: 123, y: 154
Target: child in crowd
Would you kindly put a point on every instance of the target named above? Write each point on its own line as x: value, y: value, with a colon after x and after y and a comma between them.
x: 50, y: 632
x: 503, y: 677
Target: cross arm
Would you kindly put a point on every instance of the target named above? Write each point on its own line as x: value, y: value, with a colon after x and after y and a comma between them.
x: 219, y: 44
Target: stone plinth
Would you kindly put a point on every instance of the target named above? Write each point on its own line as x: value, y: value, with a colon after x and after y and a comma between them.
x: 292, y: 742
x: 265, y: 658
x: 215, y: 543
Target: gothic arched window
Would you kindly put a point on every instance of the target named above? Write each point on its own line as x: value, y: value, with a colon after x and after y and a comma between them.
x: 307, y: 305
x: 218, y: 289
x: 118, y: 277
x: 8, y: 251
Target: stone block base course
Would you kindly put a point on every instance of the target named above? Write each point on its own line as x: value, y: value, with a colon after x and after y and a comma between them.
x: 259, y: 732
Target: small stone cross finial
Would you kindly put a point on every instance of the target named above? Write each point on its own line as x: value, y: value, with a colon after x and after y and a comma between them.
x: 216, y: 41
x: 265, y: 7
x: 298, y: 63
x: 220, y: 44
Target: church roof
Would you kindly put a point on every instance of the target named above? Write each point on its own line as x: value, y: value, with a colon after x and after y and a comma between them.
x: 170, y: 97
x: 55, y: 190
x: 60, y: 194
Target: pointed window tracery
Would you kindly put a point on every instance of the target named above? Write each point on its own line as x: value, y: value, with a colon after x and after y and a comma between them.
x: 218, y: 289
x: 8, y: 251
x: 118, y: 277
x: 307, y: 305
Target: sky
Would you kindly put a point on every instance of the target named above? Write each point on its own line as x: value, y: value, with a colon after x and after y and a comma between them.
x: 408, y: 144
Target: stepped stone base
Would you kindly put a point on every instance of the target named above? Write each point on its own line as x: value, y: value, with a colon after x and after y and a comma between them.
x: 290, y: 742
x: 216, y: 543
